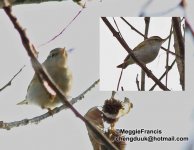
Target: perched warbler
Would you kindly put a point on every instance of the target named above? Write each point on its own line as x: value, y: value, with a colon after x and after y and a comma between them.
x: 56, y: 66
x: 145, y: 52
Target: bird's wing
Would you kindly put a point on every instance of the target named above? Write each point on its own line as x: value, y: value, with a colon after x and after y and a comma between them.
x: 24, y: 102
x: 136, y: 48
x: 123, y: 65
x: 32, y: 81
x: 139, y: 46
x: 126, y: 58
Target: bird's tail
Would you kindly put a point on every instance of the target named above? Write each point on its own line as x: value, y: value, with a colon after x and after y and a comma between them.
x: 24, y: 102
x: 123, y: 65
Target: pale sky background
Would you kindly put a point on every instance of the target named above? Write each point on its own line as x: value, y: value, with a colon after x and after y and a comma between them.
x: 169, y: 111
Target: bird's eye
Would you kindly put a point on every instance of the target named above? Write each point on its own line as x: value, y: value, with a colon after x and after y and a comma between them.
x: 53, y: 55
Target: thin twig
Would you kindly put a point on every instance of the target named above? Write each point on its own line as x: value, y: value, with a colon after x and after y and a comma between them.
x: 163, y: 75
x: 184, y: 32
x: 52, y: 39
x: 126, y: 47
x: 122, y: 88
x: 179, y: 49
x: 113, y: 94
x: 19, y: 2
x: 132, y: 27
x: 119, y: 79
x: 167, y: 56
x: 163, y: 12
x: 188, y: 25
x: 9, y: 83
x: 145, y: 6
x: 179, y: 35
x: 143, y: 10
x: 147, y: 22
x: 183, y: 3
x: 38, y: 119
x: 122, y: 69
x: 137, y: 82
x: 42, y: 73
x: 117, y: 27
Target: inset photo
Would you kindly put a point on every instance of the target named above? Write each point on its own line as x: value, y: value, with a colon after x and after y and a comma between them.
x: 142, y: 53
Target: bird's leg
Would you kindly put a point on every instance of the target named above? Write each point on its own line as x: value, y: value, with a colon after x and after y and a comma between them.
x: 50, y: 111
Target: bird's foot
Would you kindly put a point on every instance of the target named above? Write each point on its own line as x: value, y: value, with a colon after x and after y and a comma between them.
x: 50, y: 111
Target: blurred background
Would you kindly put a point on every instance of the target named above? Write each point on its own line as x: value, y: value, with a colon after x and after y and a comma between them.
x: 169, y: 111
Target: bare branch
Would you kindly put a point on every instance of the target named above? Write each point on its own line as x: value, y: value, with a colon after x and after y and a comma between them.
x: 117, y: 27
x: 179, y: 49
x: 132, y: 27
x: 122, y: 89
x: 183, y: 3
x: 147, y: 22
x: 188, y: 25
x: 113, y: 94
x: 167, y: 56
x: 145, y: 6
x: 126, y: 47
x: 177, y: 29
x: 9, y: 83
x: 163, y: 75
x: 119, y: 79
x: 143, y: 10
x: 43, y: 75
x: 35, y: 120
x: 21, y: 2
x: 122, y: 69
x: 137, y: 82
x: 56, y: 36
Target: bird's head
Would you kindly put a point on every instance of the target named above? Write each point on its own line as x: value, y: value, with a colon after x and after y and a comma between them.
x: 157, y: 39
x: 57, y: 57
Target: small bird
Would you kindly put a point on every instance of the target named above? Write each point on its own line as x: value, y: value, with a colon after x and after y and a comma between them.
x: 56, y: 66
x: 145, y: 52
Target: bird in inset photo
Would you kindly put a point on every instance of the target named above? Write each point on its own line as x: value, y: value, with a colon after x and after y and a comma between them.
x: 145, y: 52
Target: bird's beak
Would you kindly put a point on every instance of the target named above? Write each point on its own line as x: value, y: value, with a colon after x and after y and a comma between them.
x: 62, y: 50
x: 166, y: 38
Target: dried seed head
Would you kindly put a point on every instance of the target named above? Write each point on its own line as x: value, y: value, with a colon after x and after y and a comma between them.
x: 111, y: 109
